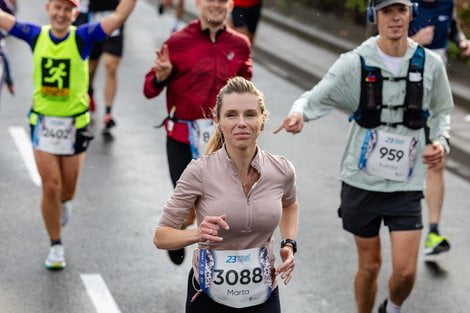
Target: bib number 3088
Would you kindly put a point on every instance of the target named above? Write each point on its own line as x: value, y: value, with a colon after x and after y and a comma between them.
x: 236, y: 278
x: 232, y: 277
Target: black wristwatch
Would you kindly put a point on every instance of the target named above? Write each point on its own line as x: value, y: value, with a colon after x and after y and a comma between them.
x: 291, y: 243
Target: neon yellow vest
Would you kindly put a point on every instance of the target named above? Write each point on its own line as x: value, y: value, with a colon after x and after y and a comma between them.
x: 60, y: 78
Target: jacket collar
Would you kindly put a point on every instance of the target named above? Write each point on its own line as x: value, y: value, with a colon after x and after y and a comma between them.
x: 227, y: 161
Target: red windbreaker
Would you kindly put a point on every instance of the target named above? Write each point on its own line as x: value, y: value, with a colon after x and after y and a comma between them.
x: 246, y: 3
x: 200, y: 69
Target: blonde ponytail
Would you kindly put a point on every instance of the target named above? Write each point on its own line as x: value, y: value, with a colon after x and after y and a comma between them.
x: 216, y: 141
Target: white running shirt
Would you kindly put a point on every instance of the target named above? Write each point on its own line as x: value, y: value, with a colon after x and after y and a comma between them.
x: 392, y: 63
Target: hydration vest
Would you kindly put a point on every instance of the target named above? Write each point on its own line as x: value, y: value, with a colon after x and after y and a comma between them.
x: 370, y: 107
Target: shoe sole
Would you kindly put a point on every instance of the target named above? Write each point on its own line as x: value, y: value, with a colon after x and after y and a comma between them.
x: 444, y: 246
x: 55, y: 266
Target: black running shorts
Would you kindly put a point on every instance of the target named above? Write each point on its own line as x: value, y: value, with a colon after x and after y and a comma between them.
x: 362, y: 211
x: 246, y: 17
x: 112, y: 45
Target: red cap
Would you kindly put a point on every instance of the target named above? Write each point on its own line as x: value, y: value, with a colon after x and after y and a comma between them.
x: 75, y: 2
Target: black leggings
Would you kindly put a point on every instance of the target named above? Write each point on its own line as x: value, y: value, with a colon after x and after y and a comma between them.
x: 204, y: 304
x: 179, y: 155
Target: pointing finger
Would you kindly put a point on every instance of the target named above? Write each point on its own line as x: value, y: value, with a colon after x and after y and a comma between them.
x: 279, y: 128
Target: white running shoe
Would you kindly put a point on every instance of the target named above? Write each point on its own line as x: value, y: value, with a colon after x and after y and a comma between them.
x: 56, y: 258
x: 66, y: 213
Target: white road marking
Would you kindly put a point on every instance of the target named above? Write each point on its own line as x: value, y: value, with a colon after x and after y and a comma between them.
x: 99, y: 293
x: 23, y: 143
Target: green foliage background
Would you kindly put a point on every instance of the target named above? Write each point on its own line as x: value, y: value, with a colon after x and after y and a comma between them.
x: 355, y: 9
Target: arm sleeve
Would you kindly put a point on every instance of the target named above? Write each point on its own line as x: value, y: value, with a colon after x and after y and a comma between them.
x: 151, y: 87
x: 28, y: 32
x: 334, y: 90
x: 246, y: 70
x: 290, y: 190
x: 187, y: 191
x: 89, y: 34
x: 440, y: 107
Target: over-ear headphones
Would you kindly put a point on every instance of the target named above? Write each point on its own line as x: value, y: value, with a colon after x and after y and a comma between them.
x: 372, y: 14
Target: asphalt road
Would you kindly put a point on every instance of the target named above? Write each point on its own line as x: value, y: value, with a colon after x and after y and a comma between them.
x: 125, y: 183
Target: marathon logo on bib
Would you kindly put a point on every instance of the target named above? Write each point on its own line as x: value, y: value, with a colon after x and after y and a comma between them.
x: 388, y: 155
x: 55, y: 77
x: 236, y: 278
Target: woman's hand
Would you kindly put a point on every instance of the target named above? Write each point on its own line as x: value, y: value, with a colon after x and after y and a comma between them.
x: 209, y: 228
x: 286, y: 269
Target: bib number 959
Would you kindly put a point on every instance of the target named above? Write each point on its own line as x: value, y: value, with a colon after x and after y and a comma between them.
x: 232, y: 277
x: 391, y: 154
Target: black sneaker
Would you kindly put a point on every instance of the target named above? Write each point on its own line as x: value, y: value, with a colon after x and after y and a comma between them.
x: 176, y: 256
x: 383, y: 307
x: 108, y: 121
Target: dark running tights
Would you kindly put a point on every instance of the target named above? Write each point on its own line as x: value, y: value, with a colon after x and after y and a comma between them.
x: 179, y: 155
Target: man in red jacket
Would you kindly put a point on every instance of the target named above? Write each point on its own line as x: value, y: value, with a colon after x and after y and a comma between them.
x: 193, y: 65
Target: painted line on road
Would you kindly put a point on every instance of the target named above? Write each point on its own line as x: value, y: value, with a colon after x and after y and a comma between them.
x: 99, y: 293
x: 24, y: 146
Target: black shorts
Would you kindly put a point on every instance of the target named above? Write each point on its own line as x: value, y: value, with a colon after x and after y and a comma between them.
x: 362, y: 211
x: 246, y: 17
x: 112, y: 45
x: 82, y: 139
x: 204, y: 304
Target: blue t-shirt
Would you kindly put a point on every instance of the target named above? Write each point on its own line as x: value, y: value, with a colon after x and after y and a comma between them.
x: 438, y: 13
x: 87, y: 35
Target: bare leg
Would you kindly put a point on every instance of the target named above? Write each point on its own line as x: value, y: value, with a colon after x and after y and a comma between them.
x: 246, y: 32
x: 369, y: 262
x: 111, y: 63
x: 70, y: 171
x: 179, y: 10
x: 405, y: 246
x: 49, y: 170
x: 435, y: 192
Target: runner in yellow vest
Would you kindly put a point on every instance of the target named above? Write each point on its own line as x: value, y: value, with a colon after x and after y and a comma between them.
x: 59, y: 117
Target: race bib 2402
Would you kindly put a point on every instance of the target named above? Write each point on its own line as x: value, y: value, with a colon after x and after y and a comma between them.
x: 55, y: 135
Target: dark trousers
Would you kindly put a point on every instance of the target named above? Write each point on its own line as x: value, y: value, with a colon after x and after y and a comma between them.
x: 179, y: 155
